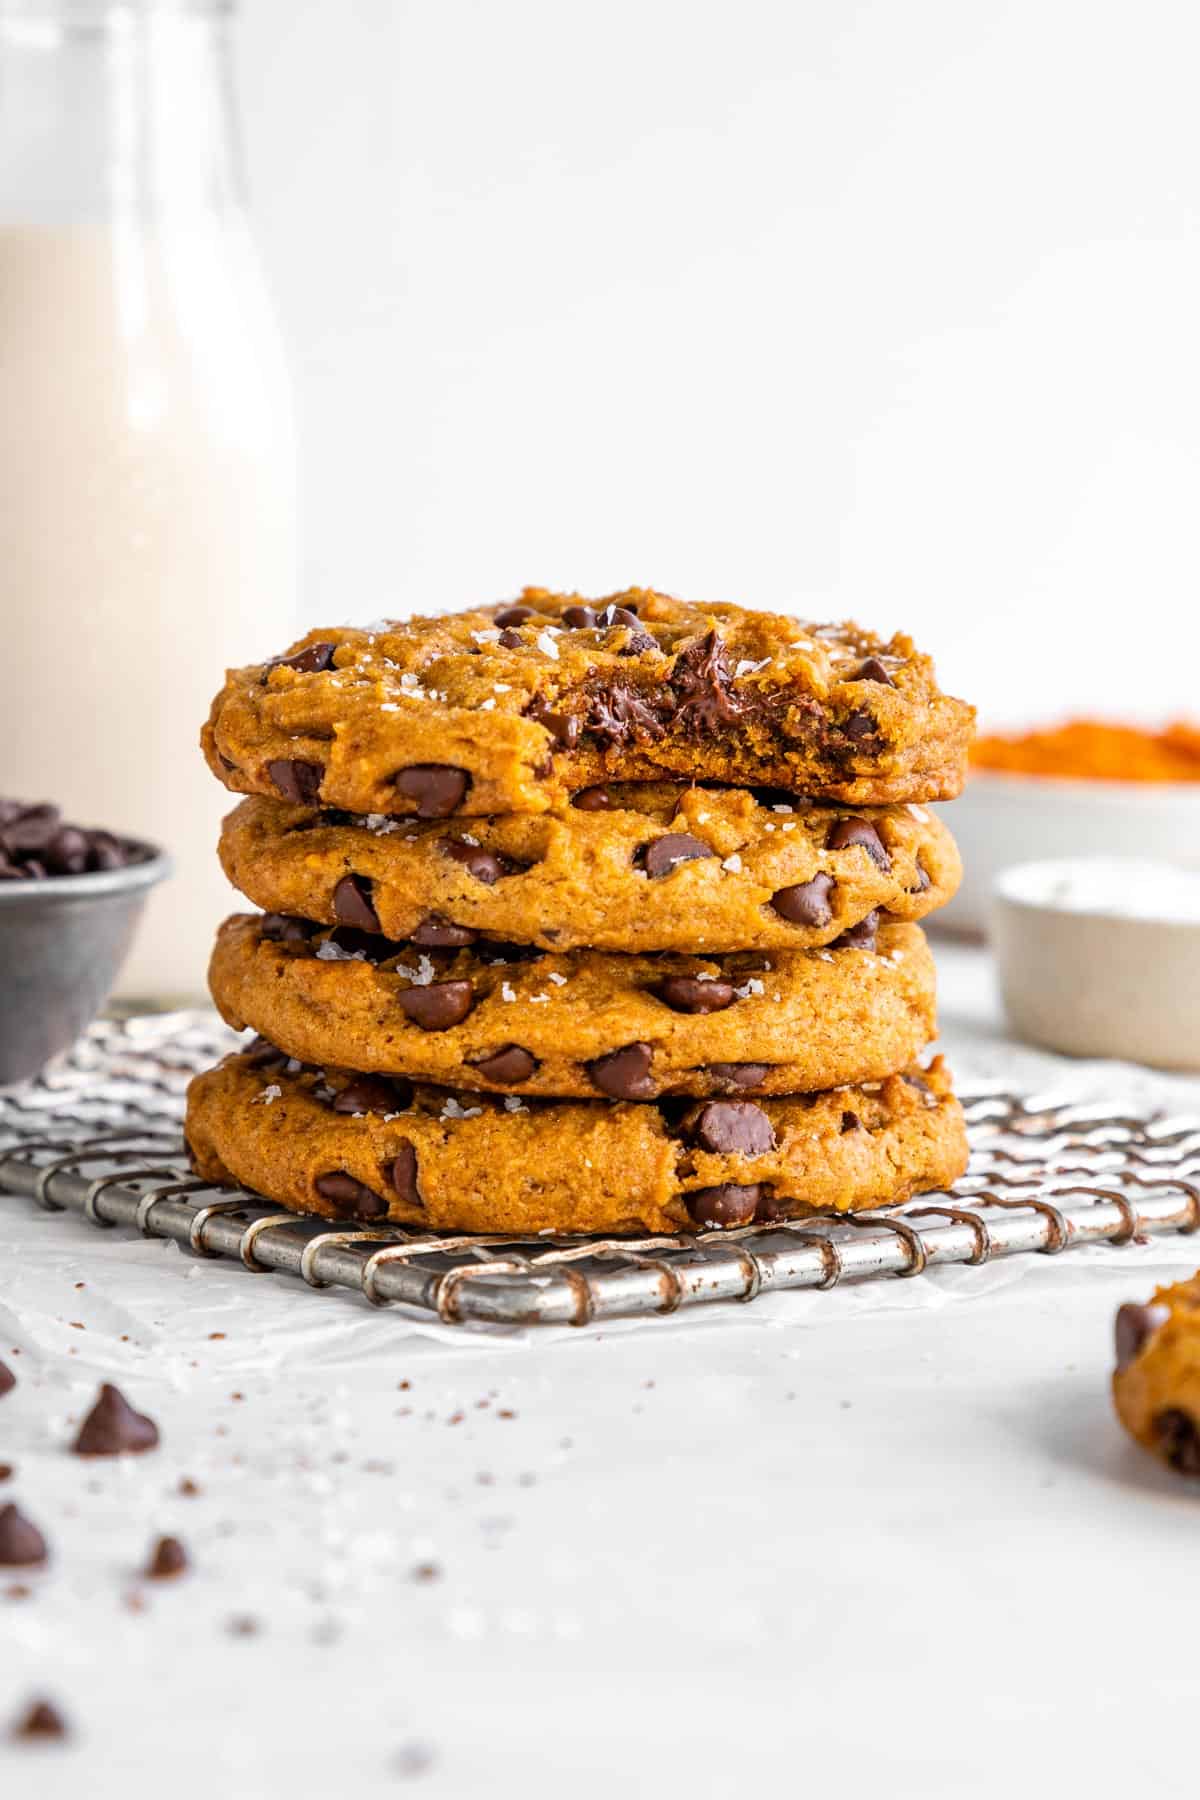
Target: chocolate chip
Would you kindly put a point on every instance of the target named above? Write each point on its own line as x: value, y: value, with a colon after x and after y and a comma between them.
x: 282, y: 928
x: 851, y: 1122
x: 661, y: 854
x: 35, y: 844
x: 1135, y: 1326
x: 438, y: 932
x: 477, y: 861
x: 862, y: 936
x: 619, y: 713
x: 31, y: 828
x: 726, y: 1204
x: 511, y: 640
x: 579, y: 618
x: 8, y: 1380
x: 402, y: 1174
x: 564, y: 728
x: 807, y: 903
x: 67, y: 852
x: 851, y: 831
x: 40, y: 1722
x: 299, y: 782
x: 352, y: 903
x: 373, y: 1093
x: 354, y: 1196
x: 439, y: 1005
x: 873, y: 670
x: 112, y: 1428
x: 860, y: 728
x: 637, y: 644
x: 510, y: 1065
x: 730, y: 1128
x: 310, y: 661
x: 737, y: 1075
x: 923, y: 879
x: 624, y: 1074
x: 21, y: 1543
x: 438, y: 788
x: 701, y: 686
x: 1177, y: 1437
x: 592, y: 799
x: 770, y: 1209
x: 513, y: 615
x: 618, y: 615
x: 167, y: 1558
x: 107, y: 852
x: 688, y: 994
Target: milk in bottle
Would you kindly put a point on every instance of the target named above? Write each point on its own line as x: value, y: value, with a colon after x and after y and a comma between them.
x: 147, y: 506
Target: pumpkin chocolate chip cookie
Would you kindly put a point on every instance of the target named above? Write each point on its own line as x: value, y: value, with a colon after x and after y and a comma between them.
x: 582, y: 1022
x: 1156, y: 1385
x: 511, y: 708
x: 654, y: 866
x: 368, y: 1148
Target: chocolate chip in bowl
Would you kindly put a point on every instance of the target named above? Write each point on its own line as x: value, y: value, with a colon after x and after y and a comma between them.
x: 70, y: 900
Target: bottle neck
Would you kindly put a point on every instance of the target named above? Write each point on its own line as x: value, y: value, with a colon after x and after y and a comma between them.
x: 116, y: 111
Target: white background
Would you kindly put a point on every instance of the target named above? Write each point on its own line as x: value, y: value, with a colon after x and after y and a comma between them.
x: 877, y: 309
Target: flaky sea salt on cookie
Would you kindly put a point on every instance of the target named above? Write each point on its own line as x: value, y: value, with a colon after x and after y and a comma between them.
x: 320, y: 1141
x: 580, y: 1023
x: 509, y: 709
x: 639, y: 866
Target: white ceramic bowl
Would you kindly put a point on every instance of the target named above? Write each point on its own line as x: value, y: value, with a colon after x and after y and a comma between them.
x: 1002, y: 820
x: 1111, y: 968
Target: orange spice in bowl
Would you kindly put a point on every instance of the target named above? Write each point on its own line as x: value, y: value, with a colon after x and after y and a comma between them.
x: 1093, y: 750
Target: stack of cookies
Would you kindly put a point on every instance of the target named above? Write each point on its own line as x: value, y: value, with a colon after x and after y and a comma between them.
x: 583, y: 918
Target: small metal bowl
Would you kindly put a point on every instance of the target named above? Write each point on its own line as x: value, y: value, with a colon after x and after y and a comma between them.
x: 62, y: 942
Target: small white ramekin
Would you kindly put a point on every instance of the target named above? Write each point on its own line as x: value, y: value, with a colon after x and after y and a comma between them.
x: 1103, y: 980
x: 1001, y: 820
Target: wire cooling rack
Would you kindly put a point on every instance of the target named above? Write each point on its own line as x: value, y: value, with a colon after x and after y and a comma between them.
x: 99, y: 1135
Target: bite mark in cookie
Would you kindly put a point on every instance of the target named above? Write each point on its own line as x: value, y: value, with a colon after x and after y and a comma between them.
x: 515, y: 707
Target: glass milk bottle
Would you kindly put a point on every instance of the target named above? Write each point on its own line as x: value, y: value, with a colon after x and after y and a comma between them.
x: 147, y: 493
